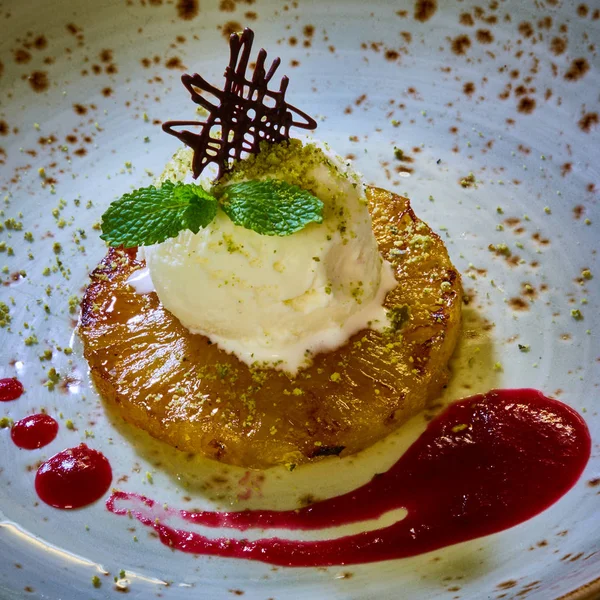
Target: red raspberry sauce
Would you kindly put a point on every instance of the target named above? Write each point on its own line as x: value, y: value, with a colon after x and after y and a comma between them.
x: 34, y: 431
x: 73, y: 478
x: 10, y: 389
x: 485, y: 464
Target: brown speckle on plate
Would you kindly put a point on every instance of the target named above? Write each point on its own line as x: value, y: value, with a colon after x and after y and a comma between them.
x: 588, y: 121
x: 229, y: 28
x: 106, y: 56
x: 518, y: 304
x: 466, y: 19
x: 22, y: 56
x: 424, y: 10
x: 506, y: 585
x: 558, y: 45
x: 484, y: 36
x: 175, y: 63
x: 579, y: 67
x: 583, y: 10
x: 525, y: 29
x: 526, y: 105
x: 227, y: 6
x: 469, y: 88
x: 39, y: 81
x: 460, y: 44
x: 188, y: 9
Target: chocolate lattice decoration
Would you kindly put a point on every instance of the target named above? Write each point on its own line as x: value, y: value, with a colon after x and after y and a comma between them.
x: 248, y: 112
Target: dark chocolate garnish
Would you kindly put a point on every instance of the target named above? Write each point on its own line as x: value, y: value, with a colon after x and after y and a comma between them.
x: 248, y: 112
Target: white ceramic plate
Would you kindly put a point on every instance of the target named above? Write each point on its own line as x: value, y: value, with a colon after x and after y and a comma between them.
x: 489, y: 89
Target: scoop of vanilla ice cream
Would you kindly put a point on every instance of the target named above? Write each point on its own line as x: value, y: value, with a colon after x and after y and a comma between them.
x: 271, y: 299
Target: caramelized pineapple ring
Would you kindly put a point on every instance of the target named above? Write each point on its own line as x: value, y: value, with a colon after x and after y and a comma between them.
x: 185, y: 391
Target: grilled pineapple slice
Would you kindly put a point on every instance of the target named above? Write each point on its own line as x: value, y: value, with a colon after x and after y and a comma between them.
x: 184, y: 390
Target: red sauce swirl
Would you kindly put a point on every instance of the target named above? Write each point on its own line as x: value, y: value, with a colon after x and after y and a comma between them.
x: 485, y: 464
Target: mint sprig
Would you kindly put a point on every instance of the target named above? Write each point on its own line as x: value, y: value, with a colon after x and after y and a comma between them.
x: 152, y: 215
x: 271, y: 207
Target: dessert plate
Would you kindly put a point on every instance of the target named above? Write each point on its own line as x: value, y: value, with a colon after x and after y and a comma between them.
x: 495, y: 109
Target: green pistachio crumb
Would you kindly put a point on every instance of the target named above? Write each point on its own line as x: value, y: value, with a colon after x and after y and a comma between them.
x: 460, y: 427
x: 5, y: 317
x: 73, y: 304
x: 47, y: 355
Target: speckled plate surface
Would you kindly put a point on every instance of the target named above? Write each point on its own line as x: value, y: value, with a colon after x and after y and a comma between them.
x: 495, y: 106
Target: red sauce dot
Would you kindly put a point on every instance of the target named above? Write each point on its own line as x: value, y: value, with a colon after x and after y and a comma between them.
x: 34, y: 431
x: 73, y: 478
x: 10, y: 389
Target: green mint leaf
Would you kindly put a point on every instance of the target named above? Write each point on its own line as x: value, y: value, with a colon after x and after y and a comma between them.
x: 152, y: 215
x: 270, y: 207
x: 202, y: 207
